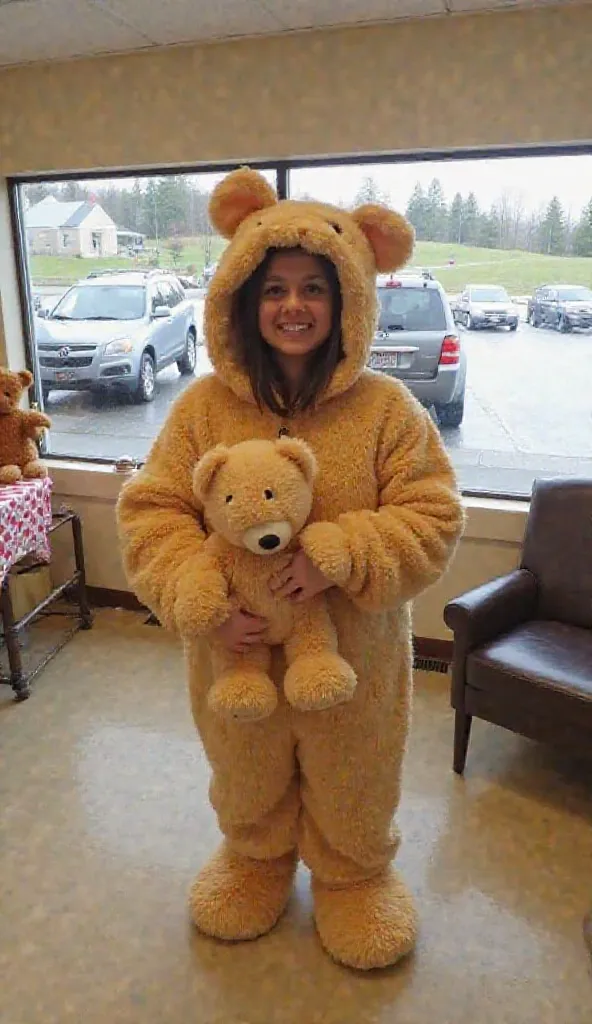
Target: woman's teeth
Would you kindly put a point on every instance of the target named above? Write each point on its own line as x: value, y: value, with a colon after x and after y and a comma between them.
x: 294, y: 328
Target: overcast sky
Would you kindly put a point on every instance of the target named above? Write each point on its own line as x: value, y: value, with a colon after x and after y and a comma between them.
x: 531, y: 180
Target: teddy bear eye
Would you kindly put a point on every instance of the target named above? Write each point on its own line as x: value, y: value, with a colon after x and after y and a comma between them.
x: 268, y: 494
x: 337, y: 228
x: 228, y: 499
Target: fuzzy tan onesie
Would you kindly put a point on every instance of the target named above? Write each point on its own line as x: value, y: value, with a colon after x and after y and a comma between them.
x: 321, y: 786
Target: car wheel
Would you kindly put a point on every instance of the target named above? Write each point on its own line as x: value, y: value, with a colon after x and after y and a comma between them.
x: 533, y: 319
x: 188, y: 360
x: 451, y: 415
x: 514, y: 327
x: 97, y: 397
x: 146, y: 389
x: 563, y: 325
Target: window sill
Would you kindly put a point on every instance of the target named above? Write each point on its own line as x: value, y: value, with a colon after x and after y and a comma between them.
x: 488, y: 519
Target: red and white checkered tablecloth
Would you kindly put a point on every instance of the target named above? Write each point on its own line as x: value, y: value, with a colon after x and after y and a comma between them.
x: 25, y: 517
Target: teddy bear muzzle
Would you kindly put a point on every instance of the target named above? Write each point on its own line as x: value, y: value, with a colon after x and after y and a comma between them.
x: 268, y: 538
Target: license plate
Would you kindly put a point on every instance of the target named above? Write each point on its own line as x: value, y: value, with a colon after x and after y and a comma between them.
x: 65, y: 375
x: 384, y: 360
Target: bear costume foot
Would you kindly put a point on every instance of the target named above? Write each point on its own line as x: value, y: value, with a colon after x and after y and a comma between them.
x: 367, y: 924
x: 236, y: 898
x: 314, y: 682
x: 244, y: 695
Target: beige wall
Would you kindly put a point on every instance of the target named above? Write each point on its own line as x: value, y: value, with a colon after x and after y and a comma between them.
x: 505, y: 79
x: 508, y: 78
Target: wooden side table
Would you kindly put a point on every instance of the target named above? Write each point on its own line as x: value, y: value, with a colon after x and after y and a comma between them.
x: 27, y: 523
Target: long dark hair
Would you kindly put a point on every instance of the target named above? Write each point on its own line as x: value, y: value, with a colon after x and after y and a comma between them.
x: 259, y: 360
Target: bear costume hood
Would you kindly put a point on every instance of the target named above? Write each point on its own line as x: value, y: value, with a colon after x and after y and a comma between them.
x: 368, y: 240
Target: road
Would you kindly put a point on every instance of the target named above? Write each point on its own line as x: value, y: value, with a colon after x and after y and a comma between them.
x: 528, y: 412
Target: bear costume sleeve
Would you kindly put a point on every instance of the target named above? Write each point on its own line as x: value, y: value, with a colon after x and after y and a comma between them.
x: 386, y: 557
x: 159, y: 524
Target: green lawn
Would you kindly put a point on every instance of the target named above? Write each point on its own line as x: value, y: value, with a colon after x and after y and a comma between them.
x: 519, y: 272
x: 64, y: 269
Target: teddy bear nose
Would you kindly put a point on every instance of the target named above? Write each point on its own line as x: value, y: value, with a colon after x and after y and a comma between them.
x: 269, y: 542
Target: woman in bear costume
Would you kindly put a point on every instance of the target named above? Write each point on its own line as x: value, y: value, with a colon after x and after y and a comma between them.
x: 289, y: 319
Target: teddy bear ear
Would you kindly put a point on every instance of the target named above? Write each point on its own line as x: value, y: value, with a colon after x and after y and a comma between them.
x: 240, y: 193
x: 206, y: 469
x: 299, y: 453
x: 391, y: 236
x: 26, y: 378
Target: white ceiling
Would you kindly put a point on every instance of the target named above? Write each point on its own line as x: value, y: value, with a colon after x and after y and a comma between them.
x: 36, y: 30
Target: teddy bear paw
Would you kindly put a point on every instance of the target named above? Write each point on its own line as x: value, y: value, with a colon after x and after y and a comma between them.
x: 202, y: 605
x: 34, y: 470
x: 315, y: 682
x: 10, y: 474
x: 243, y: 695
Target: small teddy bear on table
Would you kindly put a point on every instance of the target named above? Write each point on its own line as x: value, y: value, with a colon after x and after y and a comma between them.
x: 257, y: 496
x: 19, y: 430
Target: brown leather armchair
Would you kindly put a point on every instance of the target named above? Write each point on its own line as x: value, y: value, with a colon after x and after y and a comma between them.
x: 523, y: 642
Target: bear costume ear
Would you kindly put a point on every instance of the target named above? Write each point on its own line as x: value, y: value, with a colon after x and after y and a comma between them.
x: 390, y: 235
x: 299, y: 453
x: 26, y: 378
x: 239, y: 194
x: 206, y: 469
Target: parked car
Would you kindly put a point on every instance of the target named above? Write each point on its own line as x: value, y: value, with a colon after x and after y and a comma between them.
x: 417, y: 342
x: 485, y: 305
x: 561, y: 306
x: 116, y: 331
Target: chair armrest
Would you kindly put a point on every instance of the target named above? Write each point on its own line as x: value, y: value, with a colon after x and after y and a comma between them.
x: 492, y: 609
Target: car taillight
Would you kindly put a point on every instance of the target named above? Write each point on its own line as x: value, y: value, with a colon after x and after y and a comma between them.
x: 450, y: 354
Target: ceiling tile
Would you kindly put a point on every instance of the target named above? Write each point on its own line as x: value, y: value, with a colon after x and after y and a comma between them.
x: 179, y: 21
x: 48, y: 29
x: 298, y: 14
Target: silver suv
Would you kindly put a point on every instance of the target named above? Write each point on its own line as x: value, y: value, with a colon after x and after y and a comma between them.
x: 417, y: 342
x: 116, y: 330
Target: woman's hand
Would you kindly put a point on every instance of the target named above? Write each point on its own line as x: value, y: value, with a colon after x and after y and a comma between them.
x: 300, y: 580
x: 241, y: 631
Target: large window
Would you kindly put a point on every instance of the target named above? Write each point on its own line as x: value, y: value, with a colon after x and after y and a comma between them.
x: 491, y: 325
x: 117, y: 319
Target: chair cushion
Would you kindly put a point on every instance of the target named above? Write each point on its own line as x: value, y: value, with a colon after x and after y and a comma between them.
x: 544, y: 655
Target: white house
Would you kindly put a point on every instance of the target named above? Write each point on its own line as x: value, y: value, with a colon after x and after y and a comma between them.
x: 70, y: 229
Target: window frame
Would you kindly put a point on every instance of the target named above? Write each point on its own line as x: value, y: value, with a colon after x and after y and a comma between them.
x: 282, y: 169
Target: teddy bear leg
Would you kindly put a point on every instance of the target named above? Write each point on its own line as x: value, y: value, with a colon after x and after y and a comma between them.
x: 364, y: 913
x: 317, y: 676
x: 242, y: 687
x: 34, y: 470
x: 10, y: 474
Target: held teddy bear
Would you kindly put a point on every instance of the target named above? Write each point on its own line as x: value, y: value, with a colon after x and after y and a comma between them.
x: 257, y: 496
x: 19, y: 430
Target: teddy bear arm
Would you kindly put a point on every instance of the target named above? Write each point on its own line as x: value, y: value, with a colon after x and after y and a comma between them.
x: 32, y: 421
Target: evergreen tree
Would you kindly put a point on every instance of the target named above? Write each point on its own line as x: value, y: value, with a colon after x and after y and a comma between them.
x: 369, y: 192
x: 552, y: 233
x: 582, y: 238
x: 436, y: 212
x: 416, y: 211
x: 456, y: 220
x: 471, y: 220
